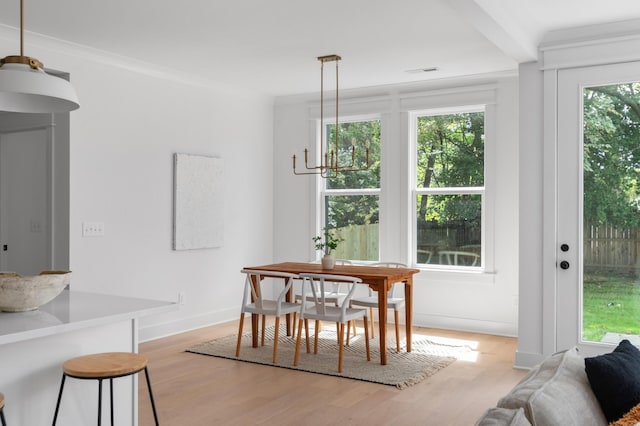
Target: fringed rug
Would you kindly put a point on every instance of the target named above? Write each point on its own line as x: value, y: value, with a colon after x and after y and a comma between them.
x: 403, y: 368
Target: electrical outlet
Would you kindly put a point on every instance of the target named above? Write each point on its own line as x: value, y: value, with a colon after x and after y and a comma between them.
x: 181, y: 296
x: 93, y: 229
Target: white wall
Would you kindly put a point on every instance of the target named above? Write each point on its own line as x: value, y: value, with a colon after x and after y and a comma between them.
x: 483, y: 302
x: 131, y: 121
x: 531, y: 213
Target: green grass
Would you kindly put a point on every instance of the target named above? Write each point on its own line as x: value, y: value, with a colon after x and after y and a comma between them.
x: 611, y: 304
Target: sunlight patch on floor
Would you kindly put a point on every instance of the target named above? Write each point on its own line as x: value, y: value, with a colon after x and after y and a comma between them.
x: 469, y: 356
x: 473, y: 344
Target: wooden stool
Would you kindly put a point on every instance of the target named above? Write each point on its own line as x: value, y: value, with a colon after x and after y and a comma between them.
x: 4, y: 423
x: 102, y: 366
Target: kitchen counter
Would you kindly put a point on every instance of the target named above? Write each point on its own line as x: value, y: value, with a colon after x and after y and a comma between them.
x: 35, y: 344
x: 74, y: 310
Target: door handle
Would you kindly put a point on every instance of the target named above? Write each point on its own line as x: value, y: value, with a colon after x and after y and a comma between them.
x: 564, y: 264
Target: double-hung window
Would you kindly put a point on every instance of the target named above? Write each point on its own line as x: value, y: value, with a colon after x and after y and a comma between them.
x: 350, y: 199
x: 449, y: 188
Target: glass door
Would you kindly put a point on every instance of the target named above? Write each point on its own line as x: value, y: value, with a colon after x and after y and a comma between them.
x: 598, y: 260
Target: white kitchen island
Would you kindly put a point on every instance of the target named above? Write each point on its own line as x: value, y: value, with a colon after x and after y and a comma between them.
x: 35, y: 344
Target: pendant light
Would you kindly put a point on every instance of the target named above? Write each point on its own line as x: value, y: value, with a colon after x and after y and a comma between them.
x: 26, y: 87
x: 330, y: 164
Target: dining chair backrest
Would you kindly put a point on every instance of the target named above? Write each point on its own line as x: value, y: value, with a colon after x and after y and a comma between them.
x: 336, y: 287
x: 463, y: 258
x: 253, y: 287
x: 424, y: 256
x: 338, y: 261
x: 314, y: 290
x: 389, y: 265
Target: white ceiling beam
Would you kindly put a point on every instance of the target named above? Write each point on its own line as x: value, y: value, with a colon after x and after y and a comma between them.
x: 502, y: 30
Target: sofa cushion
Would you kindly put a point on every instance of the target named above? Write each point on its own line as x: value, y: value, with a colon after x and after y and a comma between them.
x: 503, y: 417
x: 557, y: 392
x: 615, y: 379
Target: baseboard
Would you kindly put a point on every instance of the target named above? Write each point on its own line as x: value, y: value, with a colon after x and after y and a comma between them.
x: 157, y: 331
x: 465, y: 324
x: 527, y: 360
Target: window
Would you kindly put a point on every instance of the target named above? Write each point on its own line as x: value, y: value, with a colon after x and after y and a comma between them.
x: 350, y: 200
x: 449, y: 188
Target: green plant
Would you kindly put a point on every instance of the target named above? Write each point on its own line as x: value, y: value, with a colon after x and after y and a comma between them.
x: 327, y: 241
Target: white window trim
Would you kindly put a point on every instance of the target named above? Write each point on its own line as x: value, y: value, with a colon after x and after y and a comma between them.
x: 486, y: 263
x: 452, y: 190
x: 321, y: 190
x: 397, y: 209
x: 363, y: 191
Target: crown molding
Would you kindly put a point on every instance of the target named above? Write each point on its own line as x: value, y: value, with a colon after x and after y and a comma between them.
x: 36, y: 41
x: 589, y: 35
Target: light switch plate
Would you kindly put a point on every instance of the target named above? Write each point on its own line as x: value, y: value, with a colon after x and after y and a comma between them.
x: 93, y: 229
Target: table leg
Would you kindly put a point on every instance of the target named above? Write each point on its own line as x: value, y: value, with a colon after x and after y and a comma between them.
x: 289, y: 298
x: 254, y: 319
x: 408, y: 307
x: 382, y: 321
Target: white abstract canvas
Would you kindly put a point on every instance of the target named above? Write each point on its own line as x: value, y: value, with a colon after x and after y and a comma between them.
x: 198, y: 202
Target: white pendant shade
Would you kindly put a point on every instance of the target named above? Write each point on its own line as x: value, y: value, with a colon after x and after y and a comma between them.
x: 24, y: 89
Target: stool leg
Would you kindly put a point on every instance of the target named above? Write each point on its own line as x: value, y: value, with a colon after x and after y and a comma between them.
x: 55, y: 416
x: 153, y: 404
x: 4, y: 423
x: 111, y: 397
x: 99, y: 402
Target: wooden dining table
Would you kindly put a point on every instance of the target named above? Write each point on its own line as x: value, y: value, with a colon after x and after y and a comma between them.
x: 379, y: 278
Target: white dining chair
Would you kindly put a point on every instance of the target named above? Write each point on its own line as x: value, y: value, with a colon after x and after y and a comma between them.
x: 313, y: 285
x: 462, y: 258
x: 253, y: 302
x: 393, y: 302
x: 335, y: 293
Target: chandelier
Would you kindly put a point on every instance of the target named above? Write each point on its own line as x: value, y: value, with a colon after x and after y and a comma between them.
x: 330, y: 164
x: 26, y: 87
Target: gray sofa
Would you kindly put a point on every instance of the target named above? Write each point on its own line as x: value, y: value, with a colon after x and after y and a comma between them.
x: 556, y: 392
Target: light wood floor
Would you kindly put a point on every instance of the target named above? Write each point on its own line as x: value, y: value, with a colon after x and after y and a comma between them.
x: 194, y: 390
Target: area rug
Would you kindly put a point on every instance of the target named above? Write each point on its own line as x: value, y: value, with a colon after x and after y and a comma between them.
x: 403, y: 368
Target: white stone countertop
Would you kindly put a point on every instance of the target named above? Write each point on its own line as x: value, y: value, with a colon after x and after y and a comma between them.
x: 74, y: 310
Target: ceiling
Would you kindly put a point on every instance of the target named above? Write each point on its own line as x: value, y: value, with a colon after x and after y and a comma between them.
x: 271, y: 46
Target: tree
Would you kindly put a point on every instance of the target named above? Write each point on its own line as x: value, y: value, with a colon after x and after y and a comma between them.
x: 612, y: 154
x: 450, y: 153
x: 346, y: 210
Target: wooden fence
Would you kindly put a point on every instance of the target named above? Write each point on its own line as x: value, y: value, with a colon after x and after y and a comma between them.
x: 611, y: 250
x: 361, y: 242
x: 606, y: 249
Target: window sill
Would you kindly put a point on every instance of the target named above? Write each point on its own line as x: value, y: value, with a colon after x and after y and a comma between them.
x: 462, y: 276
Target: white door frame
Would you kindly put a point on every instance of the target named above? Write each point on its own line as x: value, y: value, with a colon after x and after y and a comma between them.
x: 562, y: 289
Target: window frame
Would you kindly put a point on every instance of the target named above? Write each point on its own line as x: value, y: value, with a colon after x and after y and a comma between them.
x: 321, y: 188
x: 415, y: 191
